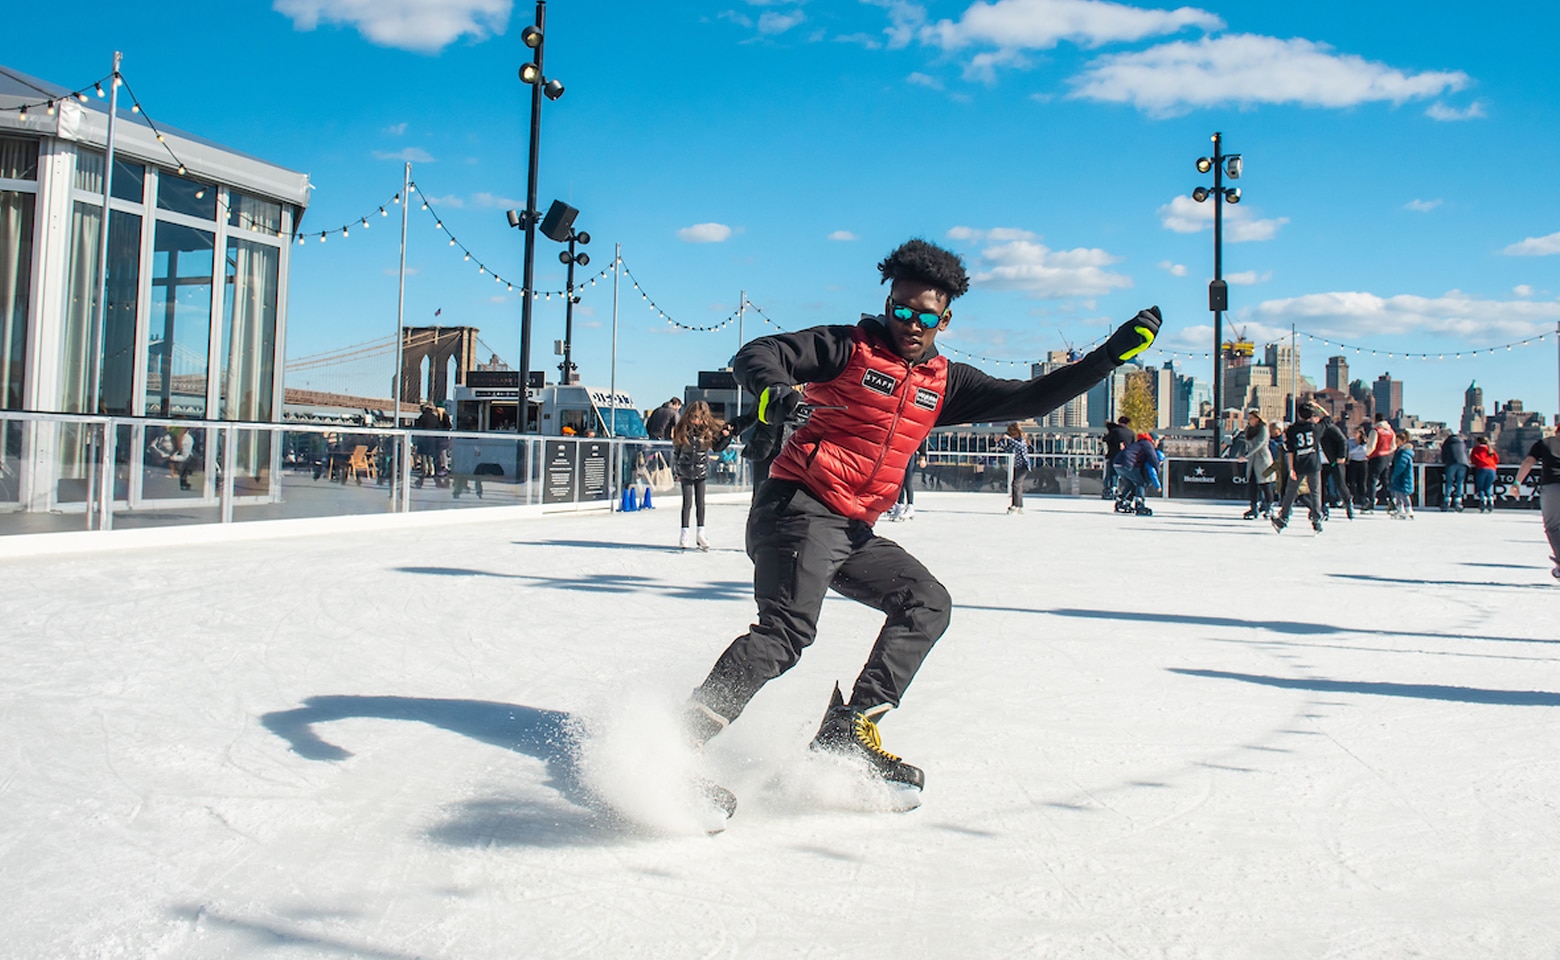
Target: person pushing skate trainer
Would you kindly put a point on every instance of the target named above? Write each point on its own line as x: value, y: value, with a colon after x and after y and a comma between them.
x: 870, y: 394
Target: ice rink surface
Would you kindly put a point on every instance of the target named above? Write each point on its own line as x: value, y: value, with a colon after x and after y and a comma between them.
x: 1181, y: 736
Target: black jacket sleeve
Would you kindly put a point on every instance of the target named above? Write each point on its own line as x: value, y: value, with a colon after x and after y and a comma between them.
x: 807, y: 356
x: 976, y: 397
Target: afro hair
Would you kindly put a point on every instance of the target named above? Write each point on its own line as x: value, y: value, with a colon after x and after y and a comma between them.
x: 928, y: 263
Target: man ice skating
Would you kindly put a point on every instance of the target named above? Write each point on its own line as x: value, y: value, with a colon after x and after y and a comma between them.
x: 874, y: 391
x: 1545, y: 455
x: 1305, y: 463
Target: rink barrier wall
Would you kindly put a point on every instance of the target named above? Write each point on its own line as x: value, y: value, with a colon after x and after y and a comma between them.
x: 171, y: 478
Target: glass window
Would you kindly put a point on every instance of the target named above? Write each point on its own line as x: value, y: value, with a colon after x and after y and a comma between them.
x: 16, y: 245
x: 89, y: 171
x: 254, y: 214
x: 182, y: 195
x: 18, y: 159
x: 129, y: 181
x: 180, y: 324
x: 124, y: 273
x: 248, y: 367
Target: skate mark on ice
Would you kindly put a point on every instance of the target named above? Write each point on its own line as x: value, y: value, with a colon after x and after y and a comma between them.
x: 1443, y: 583
x: 1276, y: 626
x: 615, y: 583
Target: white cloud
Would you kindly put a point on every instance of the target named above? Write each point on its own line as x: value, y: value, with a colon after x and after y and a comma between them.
x: 494, y: 202
x: 1247, y: 278
x: 1185, y: 215
x: 453, y: 200
x: 705, y: 233
x: 843, y: 235
x: 426, y: 26
x: 1172, y: 268
x: 396, y: 129
x: 772, y: 22
x: 1535, y: 247
x: 1522, y: 290
x: 904, y: 19
x: 1440, y: 111
x: 922, y: 80
x: 1247, y: 69
x: 1422, y: 206
x: 1358, y: 314
x: 1016, y: 260
x: 409, y: 155
x: 1042, y: 24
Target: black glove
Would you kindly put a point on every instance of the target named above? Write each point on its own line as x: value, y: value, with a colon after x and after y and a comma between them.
x: 1134, y: 336
x: 777, y: 403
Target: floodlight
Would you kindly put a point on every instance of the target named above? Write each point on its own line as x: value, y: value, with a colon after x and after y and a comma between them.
x: 530, y: 73
x: 1204, y: 164
x: 553, y: 90
x: 1232, y: 196
x: 1200, y: 194
x: 531, y: 37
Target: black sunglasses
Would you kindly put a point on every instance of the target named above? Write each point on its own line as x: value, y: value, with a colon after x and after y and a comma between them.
x: 905, y: 314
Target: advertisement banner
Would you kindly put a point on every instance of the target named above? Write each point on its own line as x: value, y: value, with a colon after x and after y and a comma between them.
x: 1431, y: 489
x: 1206, y: 479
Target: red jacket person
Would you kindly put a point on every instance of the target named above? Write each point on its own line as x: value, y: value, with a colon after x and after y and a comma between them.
x: 875, y: 391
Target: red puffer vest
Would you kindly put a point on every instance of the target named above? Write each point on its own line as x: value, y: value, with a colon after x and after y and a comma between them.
x: 853, y: 459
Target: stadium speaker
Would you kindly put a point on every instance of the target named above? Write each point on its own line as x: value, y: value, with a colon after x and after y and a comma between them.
x: 560, y: 217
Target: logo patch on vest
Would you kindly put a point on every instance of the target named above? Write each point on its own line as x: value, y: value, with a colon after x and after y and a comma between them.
x: 879, y: 382
x: 926, y: 399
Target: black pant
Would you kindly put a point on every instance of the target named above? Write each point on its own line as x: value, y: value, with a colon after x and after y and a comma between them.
x: 800, y: 549
x: 1378, y: 483
x: 1334, y: 471
x: 1016, y: 489
x: 1311, y: 473
x: 693, y: 498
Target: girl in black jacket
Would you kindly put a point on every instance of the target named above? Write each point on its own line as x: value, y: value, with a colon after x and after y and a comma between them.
x: 696, y: 435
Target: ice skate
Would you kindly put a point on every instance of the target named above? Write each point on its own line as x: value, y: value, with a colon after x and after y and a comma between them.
x: 1279, y: 523
x: 1316, y: 525
x: 849, y: 732
x: 907, y: 512
x: 686, y: 540
x: 700, y: 540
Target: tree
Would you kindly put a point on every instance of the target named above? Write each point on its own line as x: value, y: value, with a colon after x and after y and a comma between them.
x: 1137, y: 402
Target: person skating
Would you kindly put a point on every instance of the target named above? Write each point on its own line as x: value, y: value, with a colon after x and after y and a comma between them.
x: 1137, y: 472
x: 1117, y: 436
x: 1380, y: 445
x: 1335, y: 449
x: 1401, y: 480
x: 1454, y: 478
x: 1545, y: 454
x: 1015, y: 446
x: 1484, y: 460
x: 875, y: 391
x: 697, y: 434
x: 1259, y: 463
x: 1303, y: 456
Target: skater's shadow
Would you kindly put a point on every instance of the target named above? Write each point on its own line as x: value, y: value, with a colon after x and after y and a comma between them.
x: 1441, y: 583
x: 1423, y: 691
x: 546, y: 735
x: 613, y: 583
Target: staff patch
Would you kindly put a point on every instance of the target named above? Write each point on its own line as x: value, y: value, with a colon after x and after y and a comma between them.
x: 926, y: 399
x: 879, y: 382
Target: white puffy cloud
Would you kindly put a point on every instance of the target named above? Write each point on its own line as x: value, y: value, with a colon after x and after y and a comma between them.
x: 396, y: 129
x: 1422, y: 206
x: 1247, y: 278
x: 843, y: 236
x: 1042, y: 24
x: 1440, y: 111
x: 923, y: 80
x: 1173, y: 268
x: 1185, y: 215
x: 408, y: 155
x: 426, y: 26
x: 705, y: 233
x: 494, y: 202
x: 772, y: 22
x: 1015, y: 260
x: 1247, y: 69
x: 1522, y: 290
x: 1358, y: 314
x: 1535, y: 247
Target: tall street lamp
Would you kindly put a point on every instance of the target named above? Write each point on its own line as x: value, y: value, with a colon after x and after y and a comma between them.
x: 531, y: 73
x: 570, y: 259
x: 1218, y: 291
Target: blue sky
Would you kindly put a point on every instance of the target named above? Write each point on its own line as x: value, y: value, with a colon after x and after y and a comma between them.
x: 1398, y: 194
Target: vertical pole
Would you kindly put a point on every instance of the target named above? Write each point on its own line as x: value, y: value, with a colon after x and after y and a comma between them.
x: 617, y: 257
x: 741, y: 309
x: 1218, y: 315
x: 568, y: 318
x: 400, y: 302
x: 1294, y: 375
x: 97, y: 460
x: 528, y: 297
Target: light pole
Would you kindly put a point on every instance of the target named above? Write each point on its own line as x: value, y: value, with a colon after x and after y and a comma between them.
x: 1218, y: 291
x: 531, y: 73
x: 570, y: 258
